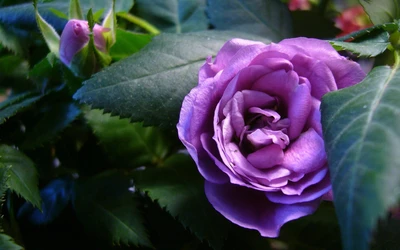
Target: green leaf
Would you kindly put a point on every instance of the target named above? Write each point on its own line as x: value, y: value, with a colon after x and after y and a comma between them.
x: 23, y: 178
x: 362, y: 137
x: 110, y: 22
x: 179, y: 187
x: 382, y: 11
x: 150, y: 85
x: 259, y: 17
x: 364, y: 34
x: 4, y: 176
x: 7, y: 243
x: 17, y: 103
x: 75, y: 11
x: 128, y: 43
x: 13, y: 66
x: 175, y: 16
x: 11, y: 41
x: 370, y: 47
x: 107, y: 209
x: 55, y: 119
x: 128, y: 144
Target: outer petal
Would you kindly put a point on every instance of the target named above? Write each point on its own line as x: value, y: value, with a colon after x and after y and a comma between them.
x: 251, y: 209
x: 346, y: 72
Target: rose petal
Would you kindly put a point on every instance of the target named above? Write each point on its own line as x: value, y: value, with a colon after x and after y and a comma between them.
x: 346, y: 72
x: 250, y: 209
x: 299, y: 108
x: 306, y: 154
x: 266, y: 157
x: 317, y: 72
x: 309, y: 194
x: 296, y: 188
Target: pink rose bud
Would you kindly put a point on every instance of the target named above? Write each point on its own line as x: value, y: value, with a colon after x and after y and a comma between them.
x: 352, y: 19
x: 75, y: 37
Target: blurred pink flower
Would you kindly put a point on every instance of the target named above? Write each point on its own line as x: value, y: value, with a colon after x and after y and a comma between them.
x: 352, y: 19
x: 299, y: 5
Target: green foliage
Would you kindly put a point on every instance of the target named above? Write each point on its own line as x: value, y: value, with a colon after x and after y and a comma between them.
x: 23, y: 178
x: 16, y: 103
x: 362, y: 137
x: 371, y: 47
x: 54, y: 119
x: 128, y: 43
x: 7, y: 243
x: 155, y: 80
x: 11, y: 41
x: 13, y: 66
x: 263, y: 18
x: 382, y: 11
x: 179, y: 188
x: 108, y: 209
x: 177, y: 16
x: 75, y: 11
x: 129, y: 144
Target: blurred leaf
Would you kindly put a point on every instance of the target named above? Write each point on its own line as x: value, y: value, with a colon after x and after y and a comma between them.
x: 56, y: 118
x: 23, y: 178
x: 370, y: 47
x: 365, y: 34
x: 108, y: 210
x: 176, y: 16
x: 44, y: 67
x: 362, y: 138
x: 128, y: 43
x: 150, y: 85
x: 10, y: 40
x: 55, y: 197
x: 17, y: 103
x: 179, y: 187
x: 259, y: 17
x: 13, y: 66
x: 128, y: 144
x: 75, y: 11
x: 322, y: 27
x: 382, y: 11
x: 7, y: 243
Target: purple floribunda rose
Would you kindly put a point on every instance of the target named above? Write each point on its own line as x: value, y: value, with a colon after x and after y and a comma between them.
x: 75, y: 37
x: 252, y: 125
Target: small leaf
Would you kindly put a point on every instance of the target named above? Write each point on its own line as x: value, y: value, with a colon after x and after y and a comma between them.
x: 108, y: 210
x: 23, y: 175
x: 362, y: 138
x: 55, y: 197
x: 7, y: 243
x: 150, y: 85
x: 128, y: 43
x: 50, y: 35
x: 17, y: 103
x: 110, y: 22
x: 382, y: 11
x: 178, y: 16
x: 179, y: 187
x: 128, y: 144
x: 369, y: 47
x: 259, y: 17
x: 75, y: 11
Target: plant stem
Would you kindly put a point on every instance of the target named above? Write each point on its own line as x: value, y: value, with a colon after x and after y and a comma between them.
x: 139, y: 22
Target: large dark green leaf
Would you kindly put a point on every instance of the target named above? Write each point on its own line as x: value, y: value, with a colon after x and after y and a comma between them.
x: 108, y: 210
x: 382, y: 11
x: 180, y: 188
x: 128, y: 144
x: 176, y: 16
x: 150, y: 85
x: 362, y: 138
x: 23, y: 178
x: 7, y: 243
x: 264, y: 18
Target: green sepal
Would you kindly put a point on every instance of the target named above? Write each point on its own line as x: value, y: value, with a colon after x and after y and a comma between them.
x: 110, y: 22
x: 49, y: 33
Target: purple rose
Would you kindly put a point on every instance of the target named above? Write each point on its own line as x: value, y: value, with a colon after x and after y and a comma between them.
x: 252, y: 125
x: 75, y: 37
